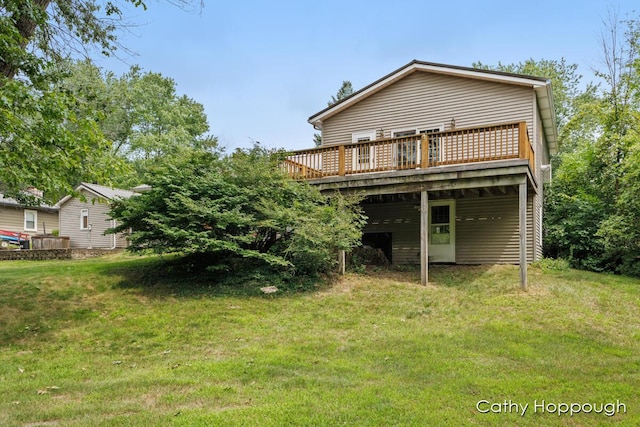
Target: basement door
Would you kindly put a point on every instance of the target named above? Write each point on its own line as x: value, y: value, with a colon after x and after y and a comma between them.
x: 442, y: 231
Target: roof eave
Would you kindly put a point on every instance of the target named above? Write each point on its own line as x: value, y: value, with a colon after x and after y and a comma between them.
x: 544, y: 95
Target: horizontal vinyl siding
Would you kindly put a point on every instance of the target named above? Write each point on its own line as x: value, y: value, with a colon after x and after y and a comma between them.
x: 487, y: 230
x: 424, y: 99
x: 12, y: 219
x: 402, y: 220
x: 98, y: 218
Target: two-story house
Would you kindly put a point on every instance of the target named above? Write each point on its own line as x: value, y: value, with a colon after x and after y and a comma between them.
x: 452, y: 161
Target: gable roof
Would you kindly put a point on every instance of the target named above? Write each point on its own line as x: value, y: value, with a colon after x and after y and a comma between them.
x: 107, y: 193
x: 540, y: 85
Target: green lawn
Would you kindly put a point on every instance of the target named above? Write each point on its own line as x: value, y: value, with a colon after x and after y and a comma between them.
x: 125, y: 341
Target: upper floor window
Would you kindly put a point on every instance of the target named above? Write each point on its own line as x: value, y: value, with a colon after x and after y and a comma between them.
x: 30, y: 220
x: 435, y: 146
x: 364, y: 153
x: 408, y: 151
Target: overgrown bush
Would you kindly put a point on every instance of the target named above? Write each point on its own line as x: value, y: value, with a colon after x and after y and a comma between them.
x: 219, y: 209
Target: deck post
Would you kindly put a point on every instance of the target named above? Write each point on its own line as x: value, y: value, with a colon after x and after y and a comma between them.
x: 342, y: 263
x: 523, y: 234
x: 424, y: 152
x: 424, y: 238
x: 341, y: 160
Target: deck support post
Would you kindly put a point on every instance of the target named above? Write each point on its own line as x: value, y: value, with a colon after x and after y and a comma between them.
x: 342, y: 262
x: 523, y: 234
x: 424, y: 238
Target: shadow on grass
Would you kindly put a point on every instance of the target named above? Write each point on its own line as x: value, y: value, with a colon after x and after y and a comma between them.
x: 179, y: 277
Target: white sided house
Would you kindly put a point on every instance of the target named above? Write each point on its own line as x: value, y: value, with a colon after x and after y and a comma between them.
x: 84, y: 219
x: 451, y: 160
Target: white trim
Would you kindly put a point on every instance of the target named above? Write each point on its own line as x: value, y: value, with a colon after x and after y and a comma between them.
x: 438, y: 252
x: 356, y: 162
x: 84, y: 213
x: 35, y: 220
x: 394, y: 131
x: 371, y: 134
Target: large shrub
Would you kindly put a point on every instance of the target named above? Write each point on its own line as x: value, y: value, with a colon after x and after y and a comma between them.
x: 224, y: 208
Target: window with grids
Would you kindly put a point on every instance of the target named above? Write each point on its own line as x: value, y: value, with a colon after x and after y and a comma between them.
x: 84, y: 219
x: 433, y: 144
x: 440, y: 225
x: 30, y: 220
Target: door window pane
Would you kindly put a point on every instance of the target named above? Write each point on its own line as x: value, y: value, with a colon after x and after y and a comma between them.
x: 440, y: 235
x: 440, y: 214
x: 440, y: 225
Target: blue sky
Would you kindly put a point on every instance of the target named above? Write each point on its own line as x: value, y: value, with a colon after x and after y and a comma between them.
x: 262, y: 68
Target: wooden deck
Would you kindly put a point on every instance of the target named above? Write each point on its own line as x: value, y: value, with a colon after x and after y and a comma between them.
x: 470, y: 145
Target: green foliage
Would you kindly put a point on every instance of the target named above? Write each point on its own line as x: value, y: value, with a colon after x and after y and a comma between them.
x: 141, y: 114
x: 121, y: 341
x: 48, y: 135
x: 551, y: 264
x: 591, y: 209
x: 44, y: 142
x: 345, y: 91
x: 222, y: 208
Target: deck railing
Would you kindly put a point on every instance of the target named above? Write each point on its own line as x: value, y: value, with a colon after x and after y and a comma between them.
x: 469, y: 145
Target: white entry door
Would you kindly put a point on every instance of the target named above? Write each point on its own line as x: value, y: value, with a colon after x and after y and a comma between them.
x: 442, y: 231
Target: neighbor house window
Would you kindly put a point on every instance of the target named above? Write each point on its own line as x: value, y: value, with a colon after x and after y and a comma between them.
x: 30, y: 220
x: 84, y: 219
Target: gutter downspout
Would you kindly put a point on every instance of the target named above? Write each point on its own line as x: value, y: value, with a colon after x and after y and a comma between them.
x: 113, y: 225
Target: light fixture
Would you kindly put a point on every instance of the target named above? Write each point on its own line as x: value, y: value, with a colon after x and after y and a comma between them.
x: 453, y: 123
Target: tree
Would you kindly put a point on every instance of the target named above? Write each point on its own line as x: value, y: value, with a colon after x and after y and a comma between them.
x: 618, y: 148
x: 141, y: 114
x: 344, y: 92
x: 592, y: 208
x: 242, y: 206
x: 43, y: 141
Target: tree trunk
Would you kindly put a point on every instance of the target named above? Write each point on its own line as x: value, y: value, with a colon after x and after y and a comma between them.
x: 26, y: 26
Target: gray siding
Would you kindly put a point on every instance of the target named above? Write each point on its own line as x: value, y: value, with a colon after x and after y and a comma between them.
x: 423, y: 99
x: 12, y: 219
x: 487, y: 230
x: 401, y: 219
x: 98, y: 218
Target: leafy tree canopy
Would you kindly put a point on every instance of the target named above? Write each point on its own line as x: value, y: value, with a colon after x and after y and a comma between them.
x: 142, y: 116
x: 44, y: 141
x: 591, y: 209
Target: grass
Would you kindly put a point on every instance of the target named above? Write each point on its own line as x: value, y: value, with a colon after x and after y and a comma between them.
x: 127, y: 341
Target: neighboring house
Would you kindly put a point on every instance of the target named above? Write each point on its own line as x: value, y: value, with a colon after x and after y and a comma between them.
x: 29, y: 220
x: 451, y: 160
x: 85, y: 221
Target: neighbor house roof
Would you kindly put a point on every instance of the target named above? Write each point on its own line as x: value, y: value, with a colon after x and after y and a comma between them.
x: 8, y: 201
x: 107, y: 193
x: 541, y: 86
